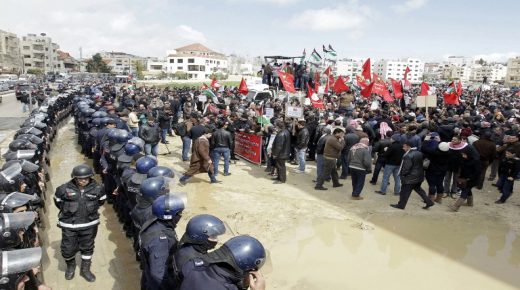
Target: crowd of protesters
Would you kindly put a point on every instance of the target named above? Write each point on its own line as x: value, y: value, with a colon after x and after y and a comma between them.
x: 451, y: 146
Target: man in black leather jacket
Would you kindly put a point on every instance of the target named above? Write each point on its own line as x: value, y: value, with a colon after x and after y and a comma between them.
x: 221, y: 142
x: 412, y: 175
x: 150, y: 133
x: 281, y: 151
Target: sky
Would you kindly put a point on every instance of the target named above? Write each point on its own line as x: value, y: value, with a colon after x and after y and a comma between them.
x: 391, y: 29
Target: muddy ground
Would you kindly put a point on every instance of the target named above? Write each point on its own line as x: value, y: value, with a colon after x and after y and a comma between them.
x: 322, y: 239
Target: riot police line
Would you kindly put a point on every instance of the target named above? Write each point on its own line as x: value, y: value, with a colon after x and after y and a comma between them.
x: 23, y: 184
x: 149, y: 206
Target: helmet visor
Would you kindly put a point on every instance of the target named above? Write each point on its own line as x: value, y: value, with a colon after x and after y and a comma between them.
x: 18, y: 261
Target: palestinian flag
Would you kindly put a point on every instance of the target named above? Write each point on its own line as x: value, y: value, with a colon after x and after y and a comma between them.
x: 209, y: 93
x: 316, y: 56
x: 332, y: 52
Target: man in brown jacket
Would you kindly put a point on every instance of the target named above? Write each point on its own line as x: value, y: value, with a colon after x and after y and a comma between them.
x: 200, y: 161
x: 487, y: 150
x: 331, y: 153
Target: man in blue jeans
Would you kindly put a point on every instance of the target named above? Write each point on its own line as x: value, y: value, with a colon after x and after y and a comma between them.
x: 302, y: 141
x: 393, y: 157
x: 221, y: 142
x: 150, y: 133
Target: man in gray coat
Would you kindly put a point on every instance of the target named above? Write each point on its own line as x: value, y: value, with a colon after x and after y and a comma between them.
x: 412, y: 175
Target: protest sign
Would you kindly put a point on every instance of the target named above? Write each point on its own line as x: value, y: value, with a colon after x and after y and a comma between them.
x: 249, y: 147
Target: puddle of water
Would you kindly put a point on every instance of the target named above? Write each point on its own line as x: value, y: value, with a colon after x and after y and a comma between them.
x: 398, y: 253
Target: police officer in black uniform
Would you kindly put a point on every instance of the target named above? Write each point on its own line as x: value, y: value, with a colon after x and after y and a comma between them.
x: 79, y: 201
x: 201, y: 235
x: 234, y: 266
x: 158, y: 242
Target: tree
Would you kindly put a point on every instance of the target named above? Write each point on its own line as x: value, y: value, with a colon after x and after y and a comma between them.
x: 162, y: 75
x: 481, y: 61
x: 139, y: 68
x: 180, y: 75
x: 34, y: 71
x: 97, y: 65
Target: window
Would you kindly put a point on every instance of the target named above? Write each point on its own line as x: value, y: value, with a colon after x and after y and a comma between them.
x: 172, y: 60
x: 179, y: 68
x: 26, y: 56
x: 26, y: 47
x: 180, y: 60
x: 191, y: 60
x: 218, y: 62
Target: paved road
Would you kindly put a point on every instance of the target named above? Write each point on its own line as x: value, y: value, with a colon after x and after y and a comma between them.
x: 11, y: 115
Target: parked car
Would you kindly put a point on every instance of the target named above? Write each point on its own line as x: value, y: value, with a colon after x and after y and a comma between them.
x: 23, y: 89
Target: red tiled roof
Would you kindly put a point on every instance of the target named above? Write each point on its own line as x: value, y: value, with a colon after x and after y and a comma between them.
x: 194, y: 47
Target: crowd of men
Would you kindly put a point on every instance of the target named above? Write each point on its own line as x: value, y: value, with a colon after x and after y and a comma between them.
x: 449, y: 146
x: 23, y: 183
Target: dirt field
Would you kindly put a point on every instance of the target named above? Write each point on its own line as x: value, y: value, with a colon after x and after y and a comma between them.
x: 322, y: 239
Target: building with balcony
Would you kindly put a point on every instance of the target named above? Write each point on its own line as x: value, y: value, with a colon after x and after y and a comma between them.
x: 10, y: 61
x: 395, y: 69
x: 39, y: 52
x: 66, y: 63
x: 122, y: 63
x: 197, y: 61
x: 492, y: 73
x: 513, y: 72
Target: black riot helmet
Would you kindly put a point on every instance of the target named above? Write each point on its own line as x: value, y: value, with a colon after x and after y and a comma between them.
x: 16, y: 263
x: 12, y: 201
x: 11, y: 224
x: 82, y: 171
x: 20, y: 144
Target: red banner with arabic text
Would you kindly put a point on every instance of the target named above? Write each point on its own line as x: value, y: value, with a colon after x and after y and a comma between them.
x: 249, y: 147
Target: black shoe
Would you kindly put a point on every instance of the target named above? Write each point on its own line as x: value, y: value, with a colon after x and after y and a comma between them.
x: 85, y: 271
x: 320, y: 188
x: 396, y: 206
x: 71, y: 269
x: 274, y: 178
x: 216, y: 181
x: 380, y: 192
x: 428, y: 205
x: 227, y: 174
x: 342, y: 177
x: 337, y: 185
x: 500, y: 202
x: 373, y: 183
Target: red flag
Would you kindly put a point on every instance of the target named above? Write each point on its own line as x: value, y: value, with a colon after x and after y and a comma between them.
x: 315, y: 101
x: 243, y: 87
x: 340, y: 86
x: 327, y: 71
x: 380, y: 88
x: 459, y: 89
x: 398, y: 92
x: 451, y: 99
x: 375, y: 77
x: 424, y: 89
x: 214, y: 83
x: 406, y: 82
x: 287, y: 81
x: 367, y: 91
x: 366, y: 70
x: 316, y: 81
x: 330, y: 83
x: 361, y: 82
x: 406, y: 71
